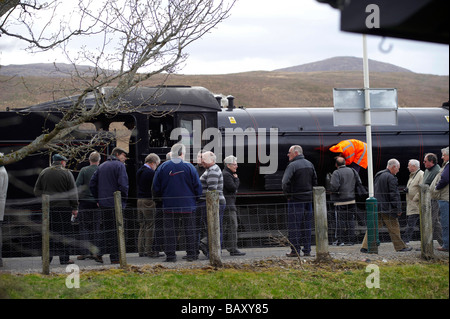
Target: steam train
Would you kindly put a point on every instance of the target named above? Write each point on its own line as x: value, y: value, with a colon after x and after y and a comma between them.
x: 259, y: 137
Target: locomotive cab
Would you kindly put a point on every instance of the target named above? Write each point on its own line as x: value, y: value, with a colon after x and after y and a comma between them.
x: 163, y: 116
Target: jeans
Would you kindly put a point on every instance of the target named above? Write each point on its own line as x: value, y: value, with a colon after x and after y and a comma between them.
x: 443, y: 207
x: 299, y: 226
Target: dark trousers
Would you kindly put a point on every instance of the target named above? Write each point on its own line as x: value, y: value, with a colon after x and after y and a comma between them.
x: 108, y: 240
x: 230, y: 227
x: 89, y: 217
x: 158, y: 242
x: 61, y: 232
x: 1, y: 239
x: 171, y: 220
x: 411, y: 222
x: 345, y: 223
x: 299, y: 225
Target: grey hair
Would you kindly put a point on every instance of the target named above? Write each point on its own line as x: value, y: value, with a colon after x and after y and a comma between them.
x: 445, y: 151
x: 153, y: 158
x: 94, y: 157
x: 230, y: 160
x: 298, y: 149
x: 414, y: 162
x: 209, y: 157
x: 393, y: 163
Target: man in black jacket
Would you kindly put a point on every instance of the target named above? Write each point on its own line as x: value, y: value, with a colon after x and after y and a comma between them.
x: 389, y: 205
x: 230, y: 221
x: 59, y: 183
x: 298, y: 181
x: 343, y: 183
x: 146, y: 207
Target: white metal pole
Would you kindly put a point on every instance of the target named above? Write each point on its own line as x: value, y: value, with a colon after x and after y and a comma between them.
x: 367, y: 117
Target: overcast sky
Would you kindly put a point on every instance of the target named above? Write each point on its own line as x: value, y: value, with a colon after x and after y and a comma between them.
x: 267, y: 35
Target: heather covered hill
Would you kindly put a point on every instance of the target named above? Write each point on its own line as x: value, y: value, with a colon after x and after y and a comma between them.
x: 309, y: 87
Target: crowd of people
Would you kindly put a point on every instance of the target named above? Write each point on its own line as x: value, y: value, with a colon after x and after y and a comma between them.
x: 300, y: 177
x: 173, y: 193
x: 169, y: 194
x: 344, y: 181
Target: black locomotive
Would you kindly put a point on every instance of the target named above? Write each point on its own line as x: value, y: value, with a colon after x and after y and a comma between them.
x: 259, y: 137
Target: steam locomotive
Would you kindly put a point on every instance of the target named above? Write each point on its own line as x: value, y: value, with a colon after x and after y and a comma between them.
x: 259, y: 137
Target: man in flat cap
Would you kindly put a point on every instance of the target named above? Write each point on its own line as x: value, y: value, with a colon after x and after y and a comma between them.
x: 59, y: 183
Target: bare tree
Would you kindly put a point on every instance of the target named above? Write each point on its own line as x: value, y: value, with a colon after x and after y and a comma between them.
x: 39, y: 23
x: 136, y: 39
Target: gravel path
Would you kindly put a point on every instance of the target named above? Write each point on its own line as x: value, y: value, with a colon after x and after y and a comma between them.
x: 254, y: 256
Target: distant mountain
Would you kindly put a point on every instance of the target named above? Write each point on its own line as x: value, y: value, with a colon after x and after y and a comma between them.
x: 59, y: 70
x: 44, y: 70
x: 307, y: 87
x: 345, y: 63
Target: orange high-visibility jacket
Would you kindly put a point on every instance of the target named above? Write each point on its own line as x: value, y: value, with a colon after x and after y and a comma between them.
x: 354, y: 151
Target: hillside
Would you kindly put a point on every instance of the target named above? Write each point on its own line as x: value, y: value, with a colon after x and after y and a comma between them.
x: 44, y: 70
x: 315, y: 89
x: 345, y: 63
x: 252, y: 89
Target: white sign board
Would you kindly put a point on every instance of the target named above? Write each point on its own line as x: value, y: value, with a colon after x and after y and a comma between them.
x: 349, y: 105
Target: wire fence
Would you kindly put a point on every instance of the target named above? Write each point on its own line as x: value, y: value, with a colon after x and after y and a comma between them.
x: 94, y: 232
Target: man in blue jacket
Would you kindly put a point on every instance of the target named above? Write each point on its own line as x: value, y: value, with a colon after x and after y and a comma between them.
x: 110, y: 177
x: 178, y: 184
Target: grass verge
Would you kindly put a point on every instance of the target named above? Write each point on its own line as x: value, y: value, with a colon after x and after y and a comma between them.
x: 339, y: 280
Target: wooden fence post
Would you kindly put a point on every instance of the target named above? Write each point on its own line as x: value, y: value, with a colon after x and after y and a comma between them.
x: 120, y: 229
x: 426, y: 226
x: 321, y: 224
x: 46, y: 234
x: 212, y: 211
